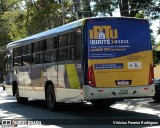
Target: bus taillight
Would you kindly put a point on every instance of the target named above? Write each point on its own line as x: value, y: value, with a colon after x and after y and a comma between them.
x: 151, y: 74
x: 90, y: 76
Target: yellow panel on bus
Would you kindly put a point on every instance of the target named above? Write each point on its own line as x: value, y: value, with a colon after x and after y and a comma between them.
x: 131, y: 70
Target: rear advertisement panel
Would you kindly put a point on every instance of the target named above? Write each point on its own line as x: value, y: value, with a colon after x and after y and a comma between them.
x: 119, y: 50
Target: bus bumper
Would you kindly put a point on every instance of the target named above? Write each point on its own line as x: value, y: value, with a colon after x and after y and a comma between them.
x: 92, y: 93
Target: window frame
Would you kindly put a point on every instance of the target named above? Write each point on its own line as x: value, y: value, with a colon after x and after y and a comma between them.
x: 27, y: 54
x: 17, y: 56
x: 70, y: 49
x: 73, y: 45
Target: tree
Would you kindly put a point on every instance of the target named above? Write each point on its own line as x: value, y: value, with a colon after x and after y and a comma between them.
x: 46, y: 14
x: 86, y: 8
x: 130, y: 8
x: 6, y: 17
x: 40, y: 15
x: 105, y: 7
x: 82, y: 8
x: 156, y: 56
x: 140, y: 14
x: 152, y: 39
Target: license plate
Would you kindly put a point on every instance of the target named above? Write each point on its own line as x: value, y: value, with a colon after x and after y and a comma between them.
x: 123, y: 83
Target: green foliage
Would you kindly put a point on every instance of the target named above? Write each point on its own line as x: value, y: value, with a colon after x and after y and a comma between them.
x: 131, y: 8
x: 152, y: 39
x: 16, y: 25
x: 4, y: 37
x: 156, y: 57
x: 86, y: 8
x: 44, y: 14
x: 158, y: 43
x: 105, y: 7
x: 140, y: 14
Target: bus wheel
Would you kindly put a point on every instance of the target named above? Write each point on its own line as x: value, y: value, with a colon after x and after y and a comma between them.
x: 101, y: 103
x: 51, y: 99
x: 20, y: 100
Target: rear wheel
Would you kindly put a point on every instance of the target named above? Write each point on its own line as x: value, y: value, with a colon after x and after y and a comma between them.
x: 20, y: 100
x: 51, y: 99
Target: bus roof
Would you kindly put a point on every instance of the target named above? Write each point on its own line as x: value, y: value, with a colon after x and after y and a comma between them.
x: 54, y: 31
x: 48, y: 33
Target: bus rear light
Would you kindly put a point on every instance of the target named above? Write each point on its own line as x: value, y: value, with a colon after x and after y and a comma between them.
x: 101, y: 90
x: 90, y: 76
x: 145, y: 89
x: 151, y: 75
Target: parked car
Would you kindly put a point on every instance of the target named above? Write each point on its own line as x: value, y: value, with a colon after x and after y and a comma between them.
x: 156, y: 97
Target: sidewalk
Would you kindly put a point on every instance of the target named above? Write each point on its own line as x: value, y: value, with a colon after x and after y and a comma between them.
x: 2, y: 92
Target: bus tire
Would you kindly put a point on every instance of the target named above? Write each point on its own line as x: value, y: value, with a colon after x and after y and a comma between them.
x: 51, y: 99
x: 20, y: 100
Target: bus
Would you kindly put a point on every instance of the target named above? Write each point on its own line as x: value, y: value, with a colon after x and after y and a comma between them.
x: 98, y: 59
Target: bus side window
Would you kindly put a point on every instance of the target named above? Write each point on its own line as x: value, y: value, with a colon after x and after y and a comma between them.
x: 50, y: 48
x: 78, y: 44
x: 17, y: 57
x: 62, y: 50
x: 48, y: 45
x: 54, y: 51
x: 26, y: 55
x: 37, y: 52
x: 70, y: 47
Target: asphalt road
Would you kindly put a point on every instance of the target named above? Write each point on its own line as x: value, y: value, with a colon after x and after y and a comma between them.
x: 128, y: 113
